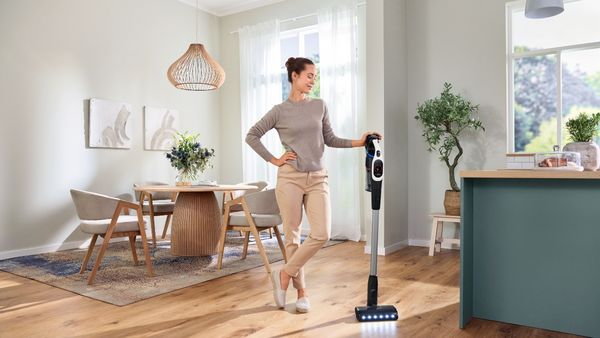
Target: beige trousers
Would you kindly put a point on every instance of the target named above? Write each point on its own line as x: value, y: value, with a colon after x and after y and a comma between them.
x: 296, y: 189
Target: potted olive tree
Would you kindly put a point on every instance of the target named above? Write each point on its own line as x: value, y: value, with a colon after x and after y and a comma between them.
x: 582, y: 130
x: 443, y: 119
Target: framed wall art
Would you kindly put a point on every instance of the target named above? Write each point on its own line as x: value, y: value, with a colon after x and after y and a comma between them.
x: 109, y: 125
x: 160, y: 127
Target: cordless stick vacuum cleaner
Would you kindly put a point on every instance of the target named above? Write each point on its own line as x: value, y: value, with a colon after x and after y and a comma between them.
x: 374, y: 165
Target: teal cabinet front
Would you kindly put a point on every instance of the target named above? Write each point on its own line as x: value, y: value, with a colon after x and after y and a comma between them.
x: 530, y: 253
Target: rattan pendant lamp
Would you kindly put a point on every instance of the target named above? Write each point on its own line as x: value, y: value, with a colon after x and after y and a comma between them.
x: 196, y: 69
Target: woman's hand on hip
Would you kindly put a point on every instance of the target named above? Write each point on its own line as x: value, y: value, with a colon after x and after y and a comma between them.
x: 363, y: 139
x: 287, y: 156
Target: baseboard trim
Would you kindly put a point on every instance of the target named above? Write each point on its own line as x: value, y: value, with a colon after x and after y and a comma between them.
x: 426, y: 242
x: 53, y: 248
x: 388, y: 249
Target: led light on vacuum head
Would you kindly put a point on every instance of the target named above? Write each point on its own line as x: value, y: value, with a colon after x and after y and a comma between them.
x: 376, y: 313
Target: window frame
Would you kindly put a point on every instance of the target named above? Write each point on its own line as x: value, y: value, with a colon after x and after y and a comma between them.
x: 299, y: 32
x: 511, y: 57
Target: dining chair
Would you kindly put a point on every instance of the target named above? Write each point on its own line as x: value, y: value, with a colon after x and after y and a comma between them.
x: 108, y: 217
x: 261, y: 185
x: 156, y: 204
x: 259, y: 212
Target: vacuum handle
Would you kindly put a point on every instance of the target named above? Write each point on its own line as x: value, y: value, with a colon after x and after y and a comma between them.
x: 376, y: 195
x: 372, y: 291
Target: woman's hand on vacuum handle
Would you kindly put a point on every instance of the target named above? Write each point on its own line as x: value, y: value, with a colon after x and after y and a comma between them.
x: 363, y: 139
x: 287, y: 156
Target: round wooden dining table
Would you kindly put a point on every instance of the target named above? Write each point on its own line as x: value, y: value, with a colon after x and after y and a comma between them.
x: 196, y: 218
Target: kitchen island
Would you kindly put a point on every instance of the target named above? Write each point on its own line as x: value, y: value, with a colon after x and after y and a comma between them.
x: 530, y: 249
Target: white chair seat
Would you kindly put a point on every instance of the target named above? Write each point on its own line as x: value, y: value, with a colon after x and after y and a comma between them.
x: 160, y: 206
x: 100, y: 226
x: 261, y: 220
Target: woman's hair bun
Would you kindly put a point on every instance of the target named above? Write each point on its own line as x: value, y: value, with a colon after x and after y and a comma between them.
x: 296, y: 65
x: 290, y: 62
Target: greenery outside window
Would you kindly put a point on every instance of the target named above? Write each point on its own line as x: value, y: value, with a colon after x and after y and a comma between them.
x: 553, y: 73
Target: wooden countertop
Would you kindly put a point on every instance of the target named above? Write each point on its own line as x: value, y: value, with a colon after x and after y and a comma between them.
x: 544, y: 174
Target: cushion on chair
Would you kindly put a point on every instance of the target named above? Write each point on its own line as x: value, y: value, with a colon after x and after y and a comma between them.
x: 159, y: 195
x: 262, y: 202
x: 100, y: 226
x: 160, y: 206
x: 92, y: 206
x: 261, y: 185
x: 261, y: 220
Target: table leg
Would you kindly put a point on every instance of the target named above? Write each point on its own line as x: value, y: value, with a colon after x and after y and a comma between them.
x: 196, y: 224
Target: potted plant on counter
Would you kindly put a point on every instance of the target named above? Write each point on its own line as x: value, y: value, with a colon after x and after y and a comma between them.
x: 443, y: 119
x: 189, y: 158
x: 582, y: 130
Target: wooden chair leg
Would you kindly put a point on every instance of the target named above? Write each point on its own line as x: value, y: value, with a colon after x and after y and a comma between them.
x: 152, y: 228
x: 107, y: 236
x: 225, y: 225
x: 144, y: 243
x: 221, y: 248
x: 270, y: 233
x: 280, y: 242
x: 246, y: 241
x: 232, y: 196
x: 433, y: 237
x: 261, y: 249
x: 86, y: 259
x: 133, y: 251
x: 101, y: 254
x: 164, y: 234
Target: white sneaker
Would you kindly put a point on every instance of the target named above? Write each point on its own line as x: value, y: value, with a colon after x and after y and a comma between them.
x: 278, y: 293
x: 302, y: 305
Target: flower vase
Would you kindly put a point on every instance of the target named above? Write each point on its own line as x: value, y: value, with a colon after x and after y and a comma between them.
x: 184, y: 178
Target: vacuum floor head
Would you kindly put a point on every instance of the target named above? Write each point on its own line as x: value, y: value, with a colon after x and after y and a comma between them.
x: 376, y: 313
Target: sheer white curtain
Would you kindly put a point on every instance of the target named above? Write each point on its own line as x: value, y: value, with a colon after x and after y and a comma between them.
x: 260, y: 89
x: 338, y: 72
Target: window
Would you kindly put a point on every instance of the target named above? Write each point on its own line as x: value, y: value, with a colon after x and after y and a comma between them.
x: 553, y: 73
x: 299, y: 42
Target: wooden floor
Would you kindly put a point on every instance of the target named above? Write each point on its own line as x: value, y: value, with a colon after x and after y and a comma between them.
x: 424, y: 289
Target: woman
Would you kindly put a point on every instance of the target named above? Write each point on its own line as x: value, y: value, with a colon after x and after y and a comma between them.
x: 304, y: 128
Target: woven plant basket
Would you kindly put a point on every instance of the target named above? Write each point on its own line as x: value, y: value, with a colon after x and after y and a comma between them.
x: 452, y: 202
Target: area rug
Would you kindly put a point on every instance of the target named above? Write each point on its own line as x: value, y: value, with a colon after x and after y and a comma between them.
x: 119, y: 282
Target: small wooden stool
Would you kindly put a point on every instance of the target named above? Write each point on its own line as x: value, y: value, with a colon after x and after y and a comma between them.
x: 437, y: 232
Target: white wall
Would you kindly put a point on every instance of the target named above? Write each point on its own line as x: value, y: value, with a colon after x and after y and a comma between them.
x: 462, y: 42
x: 386, y: 111
x: 57, y: 54
x: 396, y: 139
